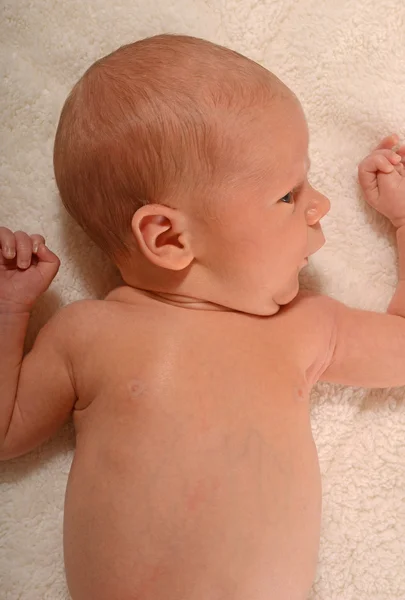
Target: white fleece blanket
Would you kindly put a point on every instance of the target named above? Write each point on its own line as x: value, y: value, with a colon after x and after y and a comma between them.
x: 346, y: 62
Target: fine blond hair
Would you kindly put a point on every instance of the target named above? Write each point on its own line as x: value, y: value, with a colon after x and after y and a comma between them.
x: 151, y: 122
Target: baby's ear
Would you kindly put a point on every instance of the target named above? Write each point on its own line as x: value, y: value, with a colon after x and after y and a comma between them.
x: 162, y: 236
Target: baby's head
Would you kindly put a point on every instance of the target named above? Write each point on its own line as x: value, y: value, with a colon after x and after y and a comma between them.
x: 187, y: 163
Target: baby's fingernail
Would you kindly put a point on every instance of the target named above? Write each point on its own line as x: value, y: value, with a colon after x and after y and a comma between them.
x: 396, y: 157
x: 35, y: 247
x: 9, y: 252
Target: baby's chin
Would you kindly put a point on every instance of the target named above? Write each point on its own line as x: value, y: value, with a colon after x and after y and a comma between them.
x: 288, y: 295
x: 275, y: 302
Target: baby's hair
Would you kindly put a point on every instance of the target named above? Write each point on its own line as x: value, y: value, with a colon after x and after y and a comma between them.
x: 151, y: 123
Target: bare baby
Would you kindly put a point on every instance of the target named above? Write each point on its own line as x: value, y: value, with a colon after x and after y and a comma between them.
x: 195, y: 474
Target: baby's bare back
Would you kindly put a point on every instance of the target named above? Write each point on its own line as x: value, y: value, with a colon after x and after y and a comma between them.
x: 195, y: 475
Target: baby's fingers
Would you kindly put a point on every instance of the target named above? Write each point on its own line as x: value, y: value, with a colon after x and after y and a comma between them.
x: 37, y: 239
x: 48, y: 263
x: 401, y: 151
x: 376, y: 163
x: 381, y: 160
x: 23, y: 244
x: 7, y: 243
x: 388, y: 142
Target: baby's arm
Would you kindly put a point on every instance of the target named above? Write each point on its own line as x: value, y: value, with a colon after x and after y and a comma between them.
x: 36, y: 392
x: 367, y: 349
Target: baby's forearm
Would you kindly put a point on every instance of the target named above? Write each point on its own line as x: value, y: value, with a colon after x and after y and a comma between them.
x: 13, y: 329
x: 397, y: 304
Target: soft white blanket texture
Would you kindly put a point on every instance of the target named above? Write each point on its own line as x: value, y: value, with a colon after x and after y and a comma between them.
x: 346, y: 62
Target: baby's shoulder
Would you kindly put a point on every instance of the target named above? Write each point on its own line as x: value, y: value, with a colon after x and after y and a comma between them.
x: 82, y: 312
x: 316, y: 314
x: 311, y: 320
x: 309, y: 304
x: 75, y: 321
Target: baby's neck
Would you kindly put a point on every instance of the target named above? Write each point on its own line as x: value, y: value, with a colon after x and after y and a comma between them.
x: 196, y: 290
x: 147, y: 283
x: 183, y: 301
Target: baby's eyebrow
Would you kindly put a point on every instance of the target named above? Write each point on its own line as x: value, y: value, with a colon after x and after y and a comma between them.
x: 308, y: 168
x: 299, y: 184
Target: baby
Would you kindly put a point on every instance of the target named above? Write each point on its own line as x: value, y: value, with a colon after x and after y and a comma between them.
x: 195, y: 475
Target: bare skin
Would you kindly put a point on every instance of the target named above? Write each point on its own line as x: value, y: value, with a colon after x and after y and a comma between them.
x: 195, y: 475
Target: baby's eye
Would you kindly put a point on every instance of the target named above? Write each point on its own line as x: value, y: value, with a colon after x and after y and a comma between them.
x: 289, y: 197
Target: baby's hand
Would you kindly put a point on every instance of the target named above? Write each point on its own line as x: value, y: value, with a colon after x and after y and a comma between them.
x: 27, y: 268
x: 382, y: 179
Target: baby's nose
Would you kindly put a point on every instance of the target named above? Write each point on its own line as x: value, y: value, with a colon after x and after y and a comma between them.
x: 318, y: 208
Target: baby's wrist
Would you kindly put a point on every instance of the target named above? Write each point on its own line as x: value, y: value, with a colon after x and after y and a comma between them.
x: 14, y: 308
